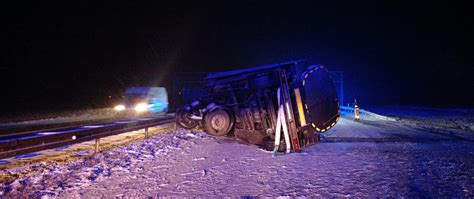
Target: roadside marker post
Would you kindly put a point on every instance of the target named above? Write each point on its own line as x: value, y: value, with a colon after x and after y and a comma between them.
x: 356, y: 111
x: 97, y: 143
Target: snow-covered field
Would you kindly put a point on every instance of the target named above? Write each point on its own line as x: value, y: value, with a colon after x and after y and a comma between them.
x: 371, y: 158
x: 457, y: 118
x: 56, y: 117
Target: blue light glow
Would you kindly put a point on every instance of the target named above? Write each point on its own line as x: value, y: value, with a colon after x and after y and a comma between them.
x: 159, y: 106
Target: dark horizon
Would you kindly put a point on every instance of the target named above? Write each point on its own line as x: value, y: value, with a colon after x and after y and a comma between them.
x: 76, y: 55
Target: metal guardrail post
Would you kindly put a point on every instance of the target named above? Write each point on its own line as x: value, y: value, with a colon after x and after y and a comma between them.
x: 97, y: 143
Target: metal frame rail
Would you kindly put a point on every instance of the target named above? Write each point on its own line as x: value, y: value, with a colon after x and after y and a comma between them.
x: 30, y: 144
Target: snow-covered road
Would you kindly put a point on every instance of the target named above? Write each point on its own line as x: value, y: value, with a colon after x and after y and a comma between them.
x: 357, y: 159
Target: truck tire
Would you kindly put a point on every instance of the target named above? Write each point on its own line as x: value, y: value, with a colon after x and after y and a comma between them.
x: 269, y: 145
x: 218, y: 121
x: 183, y: 119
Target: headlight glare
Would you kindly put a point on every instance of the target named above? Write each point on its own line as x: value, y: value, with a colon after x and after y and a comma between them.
x: 119, y: 107
x: 141, y: 107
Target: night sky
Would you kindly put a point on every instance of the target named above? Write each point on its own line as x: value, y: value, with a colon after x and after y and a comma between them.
x: 74, y: 55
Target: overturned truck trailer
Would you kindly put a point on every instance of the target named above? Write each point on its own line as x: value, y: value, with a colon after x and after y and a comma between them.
x: 257, y: 104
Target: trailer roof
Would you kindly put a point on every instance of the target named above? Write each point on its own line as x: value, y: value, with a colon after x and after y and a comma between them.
x: 251, y: 69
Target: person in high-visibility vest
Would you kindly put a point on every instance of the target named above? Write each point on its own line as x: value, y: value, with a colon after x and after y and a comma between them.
x: 356, y: 111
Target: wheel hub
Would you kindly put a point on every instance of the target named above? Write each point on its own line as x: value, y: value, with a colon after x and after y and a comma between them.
x: 217, y: 122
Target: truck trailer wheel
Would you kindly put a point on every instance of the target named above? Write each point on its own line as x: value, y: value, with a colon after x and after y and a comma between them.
x: 269, y: 145
x: 219, y: 121
x: 183, y: 119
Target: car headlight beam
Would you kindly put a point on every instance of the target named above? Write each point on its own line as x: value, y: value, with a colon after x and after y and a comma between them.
x: 119, y: 107
x: 141, y: 107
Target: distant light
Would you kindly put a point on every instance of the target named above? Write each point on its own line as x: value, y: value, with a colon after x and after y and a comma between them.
x: 119, y: 107
x: 73, y: 137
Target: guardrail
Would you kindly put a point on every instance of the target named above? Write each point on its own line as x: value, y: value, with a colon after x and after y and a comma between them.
x: 33, y: 128
x: 13, y: 146
x: 362, y: 113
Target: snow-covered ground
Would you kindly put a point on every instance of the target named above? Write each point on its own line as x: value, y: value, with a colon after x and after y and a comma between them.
x: 370, y: 158
x: 56, y: 117
x: 457, y: 118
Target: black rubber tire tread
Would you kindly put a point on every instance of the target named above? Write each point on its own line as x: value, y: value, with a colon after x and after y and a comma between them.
x: 269, y: 145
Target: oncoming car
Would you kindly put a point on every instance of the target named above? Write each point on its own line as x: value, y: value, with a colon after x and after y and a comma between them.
x: 143, y: 100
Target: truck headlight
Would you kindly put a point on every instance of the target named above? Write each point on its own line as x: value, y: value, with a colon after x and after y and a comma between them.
x: 119, y: 107
x: 141, y: 107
